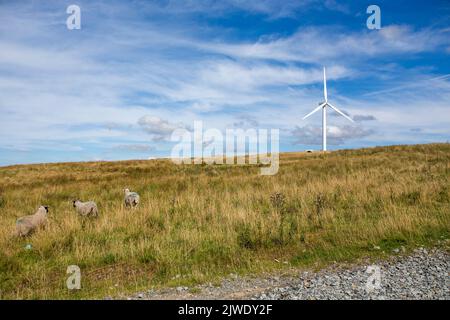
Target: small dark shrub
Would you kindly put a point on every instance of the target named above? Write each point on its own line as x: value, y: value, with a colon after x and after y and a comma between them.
x: 278, y: 201
x: 181, y: 186
x: 147, y: 256
x: 108, y: 259
x: 319, y: 203
x: 410, y: 198
x: 246, y: 238
x: 443, y: 196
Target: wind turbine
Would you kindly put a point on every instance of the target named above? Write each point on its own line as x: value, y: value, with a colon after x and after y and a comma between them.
x: 323, y: 106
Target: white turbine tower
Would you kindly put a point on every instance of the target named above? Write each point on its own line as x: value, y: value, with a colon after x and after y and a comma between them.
x: 323, y: 106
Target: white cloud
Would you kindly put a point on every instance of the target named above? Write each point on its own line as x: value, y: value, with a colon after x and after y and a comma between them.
x: 363, y: 117
x: 320, y: 44
x: 335, y: 6
x: 158, y: 128
x: 246, y: 121
x: 336, y: 135
x: 273, y: 9
x: 140, y: 148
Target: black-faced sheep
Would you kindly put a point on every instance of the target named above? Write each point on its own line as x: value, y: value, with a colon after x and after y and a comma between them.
x: 28, y: 224
x: 86, y: 209
x: 131, y: 198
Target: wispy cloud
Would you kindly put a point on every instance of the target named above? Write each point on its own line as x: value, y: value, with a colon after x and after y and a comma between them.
x: 159, y: 129
x: 336, y: 135
x: 140, y: 148
x: 361, y: 117
x: 319, y: 44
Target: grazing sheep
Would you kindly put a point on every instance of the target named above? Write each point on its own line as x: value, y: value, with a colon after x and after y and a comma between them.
x: 86, y: 209
x: 131, y: 198
x: 28, y: 224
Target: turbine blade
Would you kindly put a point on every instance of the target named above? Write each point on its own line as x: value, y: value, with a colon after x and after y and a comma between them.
x: 325, y: 94
x: 340, y: 112
x: 315, y: 110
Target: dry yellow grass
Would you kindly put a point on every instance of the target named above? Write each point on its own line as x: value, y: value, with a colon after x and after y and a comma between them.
x: 201, y: 222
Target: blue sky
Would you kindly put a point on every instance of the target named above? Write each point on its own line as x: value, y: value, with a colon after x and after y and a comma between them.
x: 137, y: 70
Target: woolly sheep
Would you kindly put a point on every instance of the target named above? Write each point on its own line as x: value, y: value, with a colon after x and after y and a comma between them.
x: 131, y: 198
x: 28, y: 224
x: 85, y: 209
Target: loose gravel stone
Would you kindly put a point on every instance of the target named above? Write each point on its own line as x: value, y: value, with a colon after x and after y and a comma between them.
x: 424, y: 274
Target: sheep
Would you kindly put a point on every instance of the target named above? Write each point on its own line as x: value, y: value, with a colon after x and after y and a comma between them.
x: 28, y: 224
x: 131, y: 198
x: 85, y: 209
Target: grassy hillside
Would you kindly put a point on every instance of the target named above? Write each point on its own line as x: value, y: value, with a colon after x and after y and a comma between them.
x: 197, y: 222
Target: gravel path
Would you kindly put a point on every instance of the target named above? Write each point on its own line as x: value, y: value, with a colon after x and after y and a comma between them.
x: 424, y: 274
